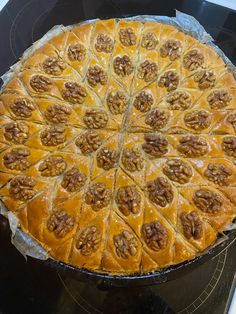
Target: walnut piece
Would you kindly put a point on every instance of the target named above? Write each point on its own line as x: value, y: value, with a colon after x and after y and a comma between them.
x: 169, y: 80
x: 40, y: 83
x: 155, y: 145
x: 60, y: 223
x: 178, y: 100
x: 157, y: 119
x: 207, y: 201
x: 143, y: 101
x: 89, y: 142
x: 104, y: 43
x: 95, y: 118
x: 177, y: 170
x: 192, y: 146
x: 205, y: 79
x: 160, y: 191
x: 53, y: 66
x: 107, y: 158
x: 125, y: 244
x: 52, y: 166
x: 89, y: 240
x: 96, y: 75
x: 193, y: 59
x: 219, y: 99
x: 74, y: 93
x: 218, y: 173
x: 16, y: 132
x: 171, y: 48
x: 123, y: 66
x: 76, y: 52
x: 229, y: 146
x: 197, y: 120
x: 128, y: 200
x: 22, y: 107
x: 16, y: 159
x: 53, y: 136
x: 22, y: 188
x: 147, y: 71
x: 232, y: 119
x: 132, y: 159
x: 98, y: 196
x: 192, y: 225
x: 73, y: 180
x: 127, y: 37
x: 155, y: 235
x: 117, y: 102
x: 57, y: 113
x: 149, y: 41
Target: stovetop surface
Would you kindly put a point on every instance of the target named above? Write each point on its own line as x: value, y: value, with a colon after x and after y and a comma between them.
x: 32, y: 287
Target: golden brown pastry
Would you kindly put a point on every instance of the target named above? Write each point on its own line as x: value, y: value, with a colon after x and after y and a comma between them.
x: 118, y: 146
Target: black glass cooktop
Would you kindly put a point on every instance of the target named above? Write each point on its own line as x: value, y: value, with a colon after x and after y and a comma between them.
x: 32, y: 287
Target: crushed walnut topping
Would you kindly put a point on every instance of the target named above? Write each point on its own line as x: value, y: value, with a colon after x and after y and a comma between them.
x: 104, y: 43
x: 157, y: 119
x: 16, y: 132
x: 74, y: 93
x: 22, y: 107
x: 207, y: 201
x: 147, y: 71
x: 160, y: 191
x: 117, y: 102
x: 197, y: 120
x: 192, y: 225
x: 127, y: 37
x: 16, y: 159
x: 219, y: 99
x: 40, y: 83
x: 60, y: 223
x: 125, y: 244
x: 22, y: 188
x: 128, y: 200
x: 53, y: 136
x: 192, y: 146
x: 95, y: 118
x: 177, y: 170
x: 155, y: 235
x: 205, y: 79
x: 52, y: 166
x: 57, y: 113
x: 107, y: 158
x: 123, y: 66
x: 76, y: 52
x: 132, y: 159
x: 232, y: 119
x: 89, y: 142
x: 96, y: 75
x: 171, y: 48
x: 193, y: 60
x: 53, y: 66
x: 229, y: 146
x: 178, y: 100
x: 155, y: 145
x: 143, y: 102
x: 73, y: 180
x: 98, y: 196
x: 149, y: 41
x: 218, y: 173
x: 89, y: 240
x: 169, y: 80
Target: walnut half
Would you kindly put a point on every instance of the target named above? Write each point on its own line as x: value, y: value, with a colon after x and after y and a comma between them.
x: 89, y: 240
x: 147, y: 71
x: 219, y: 99
x: 58, y: 113
x: 143, y: 102
x: 169, y: 80
x: 96, y: 75
x: 22, y: 188
x: 128, y: 200
x: 127, y: 37
x: 123, y: 66
x: 16, y: 132
x: 149, y: 41
x: 60, y: 223
x: 40, y: 83
x: 76, y: 52
x: 132, y: 159
x: 95, y: 118
x: 197, y: 120
x: 192, y: 146
x: 177, y: 170
x: 74, y: 93
x: 229, y: 146
x: 98, y: 196
x: 107, y: 158
x: 218, y: 173
x: 126, y: 244
x: 157, y: 119
x: 178, y: 100
x: 22, y: 107
x: 172, y: 48
x: 117, y: 102
x: 73, y: 180
x: 52, y: 166
x: 155, y: 145
x: 89, y: 142
x: 160, y: 191
x: 155, y: 235
x: 193, y: 59
x: 192, y: 225
x: 104, y: 43
x: 205, y: 79
x: 207, y: 201
x: 53, y: 136
x: 16, y: 159
x: 53, y: 66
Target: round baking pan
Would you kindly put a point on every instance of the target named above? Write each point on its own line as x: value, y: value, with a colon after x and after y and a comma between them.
x: 157, y: 277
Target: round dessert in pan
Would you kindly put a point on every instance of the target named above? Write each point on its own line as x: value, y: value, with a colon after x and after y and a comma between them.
x: 118, y: 146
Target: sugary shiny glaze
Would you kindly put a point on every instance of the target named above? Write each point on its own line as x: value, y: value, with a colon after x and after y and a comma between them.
x: 118, y: 146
